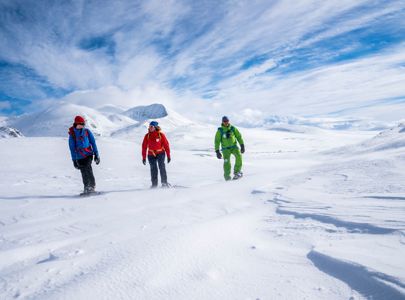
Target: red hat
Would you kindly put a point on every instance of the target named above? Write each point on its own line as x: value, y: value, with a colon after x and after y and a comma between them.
x: 79, y: 119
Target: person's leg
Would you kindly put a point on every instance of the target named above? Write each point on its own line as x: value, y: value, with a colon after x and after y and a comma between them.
x: 82, y: 167
x: 153, y: 170
x: 162, y: 168
x: 87, y: 173
x: 227, y: 164
x: 90, y: 174
x: 238, y: 161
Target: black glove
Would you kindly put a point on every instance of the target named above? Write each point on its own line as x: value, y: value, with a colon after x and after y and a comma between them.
x: 75, y: 164
x: 169, y: 160
x: 219, y: 155
x: 144, y: 161
x: 242, y: 148
x: 97, y: 159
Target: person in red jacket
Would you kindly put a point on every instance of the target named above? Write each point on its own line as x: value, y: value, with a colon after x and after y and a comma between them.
x: 156, y: 146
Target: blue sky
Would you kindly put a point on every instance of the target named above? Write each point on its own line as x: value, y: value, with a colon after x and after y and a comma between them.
x: 304, y: 57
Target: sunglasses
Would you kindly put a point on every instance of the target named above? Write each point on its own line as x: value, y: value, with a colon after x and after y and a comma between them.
x: 81, y: 124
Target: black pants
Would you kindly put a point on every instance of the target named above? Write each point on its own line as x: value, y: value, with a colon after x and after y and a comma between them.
x: 154, y: 162
x: 87, y: 172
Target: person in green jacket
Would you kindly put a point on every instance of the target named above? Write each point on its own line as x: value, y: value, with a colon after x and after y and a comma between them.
x: 227, y: 137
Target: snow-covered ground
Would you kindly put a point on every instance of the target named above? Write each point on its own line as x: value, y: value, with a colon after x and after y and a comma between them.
x: 310, y: 220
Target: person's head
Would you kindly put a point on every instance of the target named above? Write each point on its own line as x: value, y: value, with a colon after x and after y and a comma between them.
x: 79, y: 122
x: 153, y: 126
x: 225, y: 121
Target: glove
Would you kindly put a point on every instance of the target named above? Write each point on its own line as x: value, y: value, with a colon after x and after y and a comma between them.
x: 219, y: 155
x: 144, y: 161
x: 97, y: 159
x: 75, y: 164
x: 242, y: 148
x: 169, y: 160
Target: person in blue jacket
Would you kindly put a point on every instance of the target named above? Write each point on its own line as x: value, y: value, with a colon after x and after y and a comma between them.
x: 82, y: 148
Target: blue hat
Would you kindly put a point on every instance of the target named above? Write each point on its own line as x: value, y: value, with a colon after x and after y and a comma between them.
x: 153, y: 123
x: 225, y: 119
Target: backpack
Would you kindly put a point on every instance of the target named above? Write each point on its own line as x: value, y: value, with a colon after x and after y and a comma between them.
x: 86, y: 133
x: 221, y: 130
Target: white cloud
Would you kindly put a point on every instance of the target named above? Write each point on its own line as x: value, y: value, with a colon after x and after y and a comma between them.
x: 150, y: 49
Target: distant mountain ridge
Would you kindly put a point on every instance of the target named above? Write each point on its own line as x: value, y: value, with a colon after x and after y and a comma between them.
x: 143, y: 113
x: 108, y: 120
x: 389, y: 139
x: 8, y: 132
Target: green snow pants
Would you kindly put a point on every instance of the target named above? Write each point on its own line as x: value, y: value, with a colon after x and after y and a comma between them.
x: 227, y: 162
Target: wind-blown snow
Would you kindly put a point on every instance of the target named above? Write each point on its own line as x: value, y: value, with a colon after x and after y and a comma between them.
x: 299, y: 225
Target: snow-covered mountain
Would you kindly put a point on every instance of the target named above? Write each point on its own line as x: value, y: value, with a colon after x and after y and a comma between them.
x: 143, y: 113
x: 298, y: 123
x: 8, y: 132
x: 389, y: 139
x: 111, y: 109
x: 106, y: 121
x: 55, y: 121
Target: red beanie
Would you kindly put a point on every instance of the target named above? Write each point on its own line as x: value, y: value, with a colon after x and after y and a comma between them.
x: 79, y: 119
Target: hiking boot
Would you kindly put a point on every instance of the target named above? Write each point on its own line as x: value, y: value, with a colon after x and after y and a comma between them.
x: 88, y: 190
x: 165, y: 185
x: 237, y: 175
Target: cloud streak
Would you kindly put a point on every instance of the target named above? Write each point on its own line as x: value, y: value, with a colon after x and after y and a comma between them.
x: 308, y: 57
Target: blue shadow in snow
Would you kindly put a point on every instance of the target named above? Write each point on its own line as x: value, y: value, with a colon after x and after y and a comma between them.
x: 352, y: 227
x: 369, y: 284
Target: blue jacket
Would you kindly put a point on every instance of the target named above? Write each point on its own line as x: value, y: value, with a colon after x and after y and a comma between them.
x: 83, y: 145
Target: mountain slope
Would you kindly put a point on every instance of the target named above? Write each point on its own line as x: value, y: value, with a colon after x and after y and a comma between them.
x: 108, y: 121
x: 390, y: 139
x: 56, y: 120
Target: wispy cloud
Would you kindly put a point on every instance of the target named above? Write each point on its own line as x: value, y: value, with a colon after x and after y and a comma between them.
x: 287, y: 57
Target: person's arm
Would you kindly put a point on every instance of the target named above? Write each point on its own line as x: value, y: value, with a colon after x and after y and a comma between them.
x: 166, y: 145
x: 72, y: 147
x: 144, y: 147
x: 238, y: 136
x: 93, y: 143
x: 217, y: 140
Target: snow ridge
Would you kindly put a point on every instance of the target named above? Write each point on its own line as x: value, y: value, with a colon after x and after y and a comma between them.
x: 372, y: 285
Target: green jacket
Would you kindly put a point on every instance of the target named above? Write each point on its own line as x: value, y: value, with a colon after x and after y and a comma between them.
x: 227, y: 137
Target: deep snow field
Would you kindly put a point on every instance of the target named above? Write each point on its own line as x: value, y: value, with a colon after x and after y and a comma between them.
x: 319, y: 215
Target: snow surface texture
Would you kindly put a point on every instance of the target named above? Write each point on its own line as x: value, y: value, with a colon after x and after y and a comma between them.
x: 305, y: 222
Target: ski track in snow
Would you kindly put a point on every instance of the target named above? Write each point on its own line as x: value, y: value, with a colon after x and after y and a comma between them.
x: 258, y: 238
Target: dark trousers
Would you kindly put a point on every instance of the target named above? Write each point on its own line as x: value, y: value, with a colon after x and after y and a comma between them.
x: 87, y: 172
x: 154, y: 162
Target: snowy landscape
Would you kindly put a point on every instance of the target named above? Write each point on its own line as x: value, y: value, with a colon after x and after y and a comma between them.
x: 317, y: 90
x: 319, y: 214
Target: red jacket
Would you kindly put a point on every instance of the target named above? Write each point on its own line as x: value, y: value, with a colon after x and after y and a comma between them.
x: 155, y: 143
